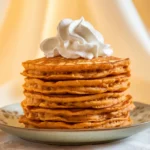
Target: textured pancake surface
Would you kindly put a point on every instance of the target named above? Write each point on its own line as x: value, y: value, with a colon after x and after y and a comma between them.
x: 95, y: 74
x: 127, y: 105
x: 60, y: 64
x: 110, y: 123
x: 108, y: 84
x: 93, y: 101
x: 58, y: 68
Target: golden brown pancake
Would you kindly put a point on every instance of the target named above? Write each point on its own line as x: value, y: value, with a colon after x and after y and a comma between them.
x: 68, y: 98
x: 110, y: 123
x: 38, y: 100
x: 95, y: 74
x: 60, y: 64
x: 84, y: 118
x: 80, y: 112
x: 108, y: 84
x: 59, y: 68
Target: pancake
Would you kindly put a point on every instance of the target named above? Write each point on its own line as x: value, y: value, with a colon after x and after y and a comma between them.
x: 103, y: 82
x: 71, y: 98
x: 83, y: 118
x: 60, y: 64
x: 110, y: 123
x: 80, y: 90
x: 127, y: 105
x: 37, y: 100
x: 95, y: 74
x: 108, y: 84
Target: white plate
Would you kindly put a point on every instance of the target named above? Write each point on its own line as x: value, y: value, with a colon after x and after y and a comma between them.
x: 9, y: 123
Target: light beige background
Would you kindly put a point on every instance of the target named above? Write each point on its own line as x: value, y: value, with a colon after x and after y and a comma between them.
x: 25, y: 23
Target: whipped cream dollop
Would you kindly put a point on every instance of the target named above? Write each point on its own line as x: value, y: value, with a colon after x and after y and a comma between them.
x: 76, y: 38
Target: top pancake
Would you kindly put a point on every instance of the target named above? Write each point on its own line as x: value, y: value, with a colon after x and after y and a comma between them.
x: 60, y: 64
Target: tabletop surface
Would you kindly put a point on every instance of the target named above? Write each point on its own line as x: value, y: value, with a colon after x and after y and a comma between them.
x: 141, y: 141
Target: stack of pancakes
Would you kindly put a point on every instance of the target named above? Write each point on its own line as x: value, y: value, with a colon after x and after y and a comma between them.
x: 76, y: 93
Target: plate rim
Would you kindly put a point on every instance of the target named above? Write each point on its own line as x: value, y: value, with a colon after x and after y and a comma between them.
x: 71, y: 130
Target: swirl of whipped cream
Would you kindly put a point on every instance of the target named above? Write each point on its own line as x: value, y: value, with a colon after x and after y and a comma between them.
x: 76, y: 39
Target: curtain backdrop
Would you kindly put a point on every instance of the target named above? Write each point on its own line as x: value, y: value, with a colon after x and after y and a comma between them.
x: 25, y: 23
